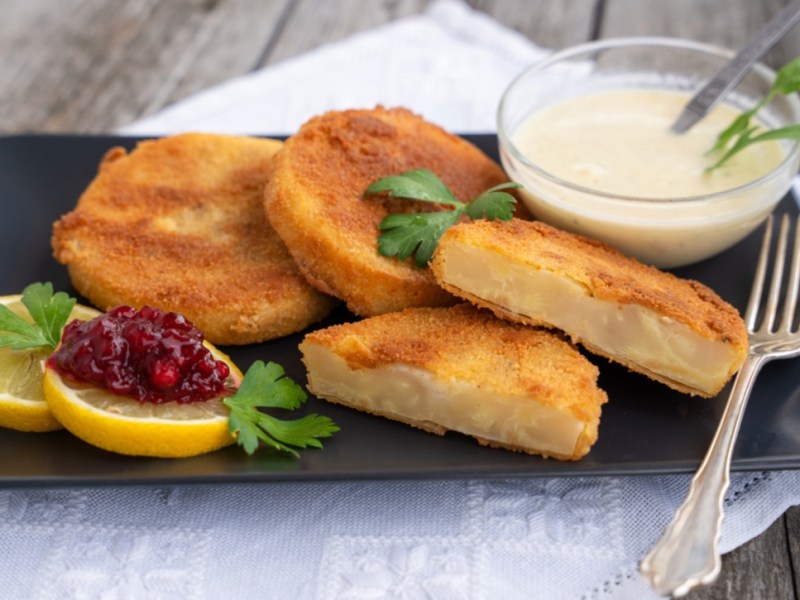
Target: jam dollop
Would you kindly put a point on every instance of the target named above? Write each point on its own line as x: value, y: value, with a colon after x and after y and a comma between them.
x: 147, y: 354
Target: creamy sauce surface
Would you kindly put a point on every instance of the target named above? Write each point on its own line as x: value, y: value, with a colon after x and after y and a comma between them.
x: 619, y: 142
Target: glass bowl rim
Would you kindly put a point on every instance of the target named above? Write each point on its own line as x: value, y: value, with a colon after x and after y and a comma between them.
x: 626, y: 42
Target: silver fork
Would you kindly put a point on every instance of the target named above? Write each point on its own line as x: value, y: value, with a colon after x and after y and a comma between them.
x: 687, y: 554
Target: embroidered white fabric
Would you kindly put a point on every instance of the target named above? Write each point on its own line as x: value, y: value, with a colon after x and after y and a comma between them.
x: 483, y: 539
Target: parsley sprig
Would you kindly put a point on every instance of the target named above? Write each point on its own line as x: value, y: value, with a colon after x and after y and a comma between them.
x: 49, y: 312
x: 419, y: 233
x: 266, y: 386
x: 740, y: 133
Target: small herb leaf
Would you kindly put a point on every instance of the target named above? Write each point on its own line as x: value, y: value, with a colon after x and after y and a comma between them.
x: 739, y: 134
x: 787, y: 80
x: 416, y: 234
x: 790, y: 132
x: 49, y: 313
x: 302, y: 433
x: 17, y: 334
x: 493, y: 204
x: 267, y: 386
x: 746, y: 138
x: 738, y: 125
x: 419, y: 184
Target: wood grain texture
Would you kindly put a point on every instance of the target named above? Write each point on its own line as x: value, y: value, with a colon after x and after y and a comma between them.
x: 312, y: 23
x: 92, y: 65
x: 727, y: 23
x: 548, y: 24
x: 791, y: 521
x: 758, y: 569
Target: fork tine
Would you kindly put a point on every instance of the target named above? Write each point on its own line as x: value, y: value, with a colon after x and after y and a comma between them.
x: 751, y: 314
x: 787, y: 321
x: 769, y: 322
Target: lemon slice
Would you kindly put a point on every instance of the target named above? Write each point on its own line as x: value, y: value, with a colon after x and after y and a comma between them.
x: 22, y: 403
x: 127, y: 426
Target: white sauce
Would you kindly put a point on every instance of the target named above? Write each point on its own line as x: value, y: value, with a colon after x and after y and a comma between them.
x: 619, y: 142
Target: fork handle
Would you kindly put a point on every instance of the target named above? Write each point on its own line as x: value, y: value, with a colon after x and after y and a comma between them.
x: 687, y: 554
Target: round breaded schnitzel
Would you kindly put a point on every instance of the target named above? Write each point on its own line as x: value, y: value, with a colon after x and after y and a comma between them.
x: 315, y: 201
x: 179, y: 223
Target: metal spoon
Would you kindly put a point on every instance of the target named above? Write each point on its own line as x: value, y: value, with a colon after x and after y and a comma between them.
x: 734, y: 71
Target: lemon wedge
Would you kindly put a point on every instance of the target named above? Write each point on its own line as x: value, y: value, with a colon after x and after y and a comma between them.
x: 128, y: 426
x: 22, y: 403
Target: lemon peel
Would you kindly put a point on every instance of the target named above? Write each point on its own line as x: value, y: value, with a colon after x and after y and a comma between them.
x: 22, y: 403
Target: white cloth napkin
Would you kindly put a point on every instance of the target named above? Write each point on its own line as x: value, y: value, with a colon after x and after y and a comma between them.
x: 483, y: 539
x: 450, y: 65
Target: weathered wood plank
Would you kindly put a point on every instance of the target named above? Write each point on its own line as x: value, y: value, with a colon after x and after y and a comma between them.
x: 114, y: 62
x: 792, y: 523
x: 758, y: 569
x: 92, y: 65
x: 549, y: 24
x: 312, y: 23
x: 726, y: 23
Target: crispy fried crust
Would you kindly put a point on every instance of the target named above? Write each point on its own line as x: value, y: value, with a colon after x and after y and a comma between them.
x: 315, y: 201
x: 464, y: 344
x: 179, y: 223
x: 605, y: 273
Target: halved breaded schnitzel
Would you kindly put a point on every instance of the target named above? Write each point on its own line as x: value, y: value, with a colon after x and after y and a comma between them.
x: 315, y: 200
x: 179, y: 223
x: 462, y: 369
x: 676, y: 331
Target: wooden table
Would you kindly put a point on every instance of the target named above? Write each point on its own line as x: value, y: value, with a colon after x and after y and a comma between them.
x: 90, y: 66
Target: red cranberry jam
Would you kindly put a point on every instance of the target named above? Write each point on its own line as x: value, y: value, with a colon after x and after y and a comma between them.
x: 148, y: 354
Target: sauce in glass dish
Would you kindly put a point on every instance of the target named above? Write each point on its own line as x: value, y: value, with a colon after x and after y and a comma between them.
x: 606, y: 164
x: 587, y: 132
x: 619, y: 142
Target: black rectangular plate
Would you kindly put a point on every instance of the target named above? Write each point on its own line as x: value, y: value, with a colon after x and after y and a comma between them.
x: 645, y: 427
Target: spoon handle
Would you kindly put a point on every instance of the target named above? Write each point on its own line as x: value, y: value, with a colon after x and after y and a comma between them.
x: 734, y: 71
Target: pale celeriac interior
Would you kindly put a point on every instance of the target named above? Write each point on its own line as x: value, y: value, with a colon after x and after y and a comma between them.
x: 634, y: 333
x: 415, y: 395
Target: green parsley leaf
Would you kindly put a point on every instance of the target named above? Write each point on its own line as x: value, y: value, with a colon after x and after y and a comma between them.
x: 494, y: 204
x: 739, y: 134
x: 267, y: 386
x: 18, y: 334
x: 419, y: 184
x: 49, y: 313
x: 418, y: 234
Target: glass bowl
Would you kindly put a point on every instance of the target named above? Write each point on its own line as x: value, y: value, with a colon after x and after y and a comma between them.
x: 662, y: 231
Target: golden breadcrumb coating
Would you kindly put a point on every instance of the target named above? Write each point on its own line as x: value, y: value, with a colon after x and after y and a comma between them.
x: 179, y: 223
x: 315, y: 200
x: 464, y: 344
x: 604, y: 273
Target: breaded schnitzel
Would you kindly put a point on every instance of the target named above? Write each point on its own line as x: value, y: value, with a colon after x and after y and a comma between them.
x: 179, y: 223
x: 462, y: 369
x: 676, y: 331
x: 315, y: 200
